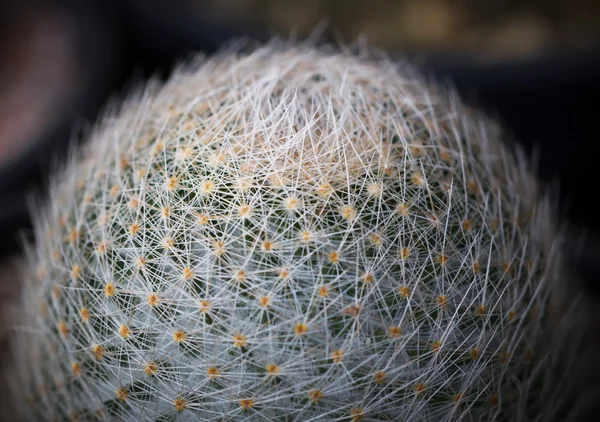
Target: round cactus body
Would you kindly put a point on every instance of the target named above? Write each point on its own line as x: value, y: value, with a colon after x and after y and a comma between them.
x: 294, y: 234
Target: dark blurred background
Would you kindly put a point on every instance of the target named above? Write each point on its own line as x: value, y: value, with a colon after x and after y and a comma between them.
x: 533, y: 64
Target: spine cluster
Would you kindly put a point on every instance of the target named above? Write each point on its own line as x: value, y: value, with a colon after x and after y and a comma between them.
x: 290, y: 235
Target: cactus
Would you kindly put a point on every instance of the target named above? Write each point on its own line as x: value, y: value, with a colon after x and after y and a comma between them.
x: 290, y: 234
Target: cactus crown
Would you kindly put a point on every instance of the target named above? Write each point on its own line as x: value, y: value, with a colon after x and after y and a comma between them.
x: 292, y: 234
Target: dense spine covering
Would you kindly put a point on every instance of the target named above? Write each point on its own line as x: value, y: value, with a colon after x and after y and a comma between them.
x: 293, y: 234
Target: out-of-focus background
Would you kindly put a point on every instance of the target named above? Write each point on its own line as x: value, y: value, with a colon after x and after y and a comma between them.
x: 533, y: 64
x: 492, y: 29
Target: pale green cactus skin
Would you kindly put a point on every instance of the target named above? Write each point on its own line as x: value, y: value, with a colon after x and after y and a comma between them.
x: 294, y: 234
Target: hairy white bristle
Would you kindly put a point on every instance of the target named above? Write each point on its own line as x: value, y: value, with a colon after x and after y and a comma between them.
x: 291, y: 234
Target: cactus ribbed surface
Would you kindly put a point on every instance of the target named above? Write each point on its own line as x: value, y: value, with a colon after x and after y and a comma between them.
x: 293, y: 234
